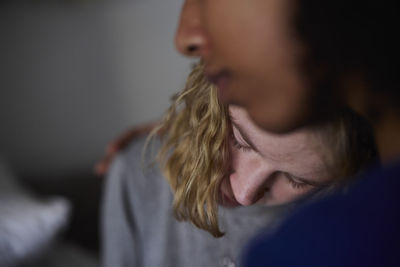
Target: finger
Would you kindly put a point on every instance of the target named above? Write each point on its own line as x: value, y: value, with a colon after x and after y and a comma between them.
x: 100, y: 168
x: 112, y: 148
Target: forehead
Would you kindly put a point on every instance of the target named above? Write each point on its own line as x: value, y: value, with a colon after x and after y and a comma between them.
x: 298, y: 151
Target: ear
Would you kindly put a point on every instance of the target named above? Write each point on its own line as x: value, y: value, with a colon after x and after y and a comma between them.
x: 354, y: 93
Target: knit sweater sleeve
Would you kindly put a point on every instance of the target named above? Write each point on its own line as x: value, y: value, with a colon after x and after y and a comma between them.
x: 120, y: 236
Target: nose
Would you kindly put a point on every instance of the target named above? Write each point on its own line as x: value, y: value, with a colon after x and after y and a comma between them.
x: 190, y: 38
x: 250, y: 187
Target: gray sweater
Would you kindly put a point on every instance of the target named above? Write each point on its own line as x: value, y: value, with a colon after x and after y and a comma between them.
x: 139, y: 228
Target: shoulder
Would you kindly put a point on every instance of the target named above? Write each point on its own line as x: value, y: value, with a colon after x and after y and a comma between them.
x: 359, y: 228
x: 140, y: 151
x: 135, y: 169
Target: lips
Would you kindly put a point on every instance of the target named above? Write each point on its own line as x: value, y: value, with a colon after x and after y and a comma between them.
x: 221, y: 80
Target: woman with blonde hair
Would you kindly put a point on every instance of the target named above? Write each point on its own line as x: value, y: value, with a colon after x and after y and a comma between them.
x: 224, y: 175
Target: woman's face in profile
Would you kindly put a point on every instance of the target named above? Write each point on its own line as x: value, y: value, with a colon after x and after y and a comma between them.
x: 267, y: 168
x: 250, y: 54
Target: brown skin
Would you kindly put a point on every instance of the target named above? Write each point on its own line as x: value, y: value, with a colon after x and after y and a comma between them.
x: 387, y: 133
x: 253, y: 57
x: 356, y: 94
x: 251, y: 43
x: 251, y: 53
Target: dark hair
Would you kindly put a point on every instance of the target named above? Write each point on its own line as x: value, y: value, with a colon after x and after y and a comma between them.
x: 343, y: 36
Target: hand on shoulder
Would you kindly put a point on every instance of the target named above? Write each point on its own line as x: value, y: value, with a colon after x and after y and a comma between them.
x: 120, y: 143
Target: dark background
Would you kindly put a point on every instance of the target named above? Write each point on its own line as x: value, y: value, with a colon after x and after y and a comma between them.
x: 74, y: 75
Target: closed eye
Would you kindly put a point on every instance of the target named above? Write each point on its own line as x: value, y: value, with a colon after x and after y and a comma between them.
x: 297, y: 183
x: 242, y: 138
x: 237, y: 144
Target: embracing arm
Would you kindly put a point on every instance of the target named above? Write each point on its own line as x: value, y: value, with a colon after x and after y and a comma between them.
x: 120, y: 143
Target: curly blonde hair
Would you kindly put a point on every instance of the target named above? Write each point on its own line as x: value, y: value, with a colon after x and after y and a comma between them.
x: 194, y: 151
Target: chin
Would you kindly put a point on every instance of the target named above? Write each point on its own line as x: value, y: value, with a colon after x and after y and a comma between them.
x: 270, y: 201
x: 279, y: 122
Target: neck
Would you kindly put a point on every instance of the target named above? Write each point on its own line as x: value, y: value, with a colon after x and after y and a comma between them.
x: 385, y: 120
x: 387, y: 133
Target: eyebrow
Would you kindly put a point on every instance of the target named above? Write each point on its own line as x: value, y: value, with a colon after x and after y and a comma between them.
x: 251, y: 144
x: 245, y: 136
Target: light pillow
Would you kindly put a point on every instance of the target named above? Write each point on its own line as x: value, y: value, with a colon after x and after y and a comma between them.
x: 27, y: 224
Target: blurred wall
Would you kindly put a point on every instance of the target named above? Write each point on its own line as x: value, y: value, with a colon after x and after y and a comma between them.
x: 73, y: 76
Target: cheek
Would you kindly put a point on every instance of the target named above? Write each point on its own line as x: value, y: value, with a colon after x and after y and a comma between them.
x: 220, y: 31
x: 243, y: 162
x: 237, y: 28
x: 283, y: 192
